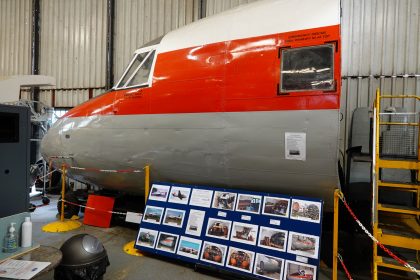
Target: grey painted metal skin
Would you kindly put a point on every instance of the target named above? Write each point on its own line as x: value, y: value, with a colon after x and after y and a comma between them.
x: 242, y: 150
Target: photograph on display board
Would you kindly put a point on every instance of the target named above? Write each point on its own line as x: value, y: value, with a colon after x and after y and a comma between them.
x: 159, y: 192
x: 195, y: 222
x: 303, y: 244
x: 153, y: 214
x: 218, y: 228
x: 276, y: 206
x: 147, y: 237
x: 167, y: 242
x: 224, y: 200
x: 249, y: 203
x: 244, y: 233
x: 201, y: 198
x: 213, y: 253
x: 269, y: 267
x: 304, y: 210
x: 174, y: 217
x: 179, y: 195
x: 240, y: 259
x: 271, y: 238
x: 189, y: 247
x: 296, y: 271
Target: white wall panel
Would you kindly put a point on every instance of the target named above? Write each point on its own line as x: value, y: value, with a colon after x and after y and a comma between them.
x: 15, y: 37
x: 73, y: 43
x: 140, y: 21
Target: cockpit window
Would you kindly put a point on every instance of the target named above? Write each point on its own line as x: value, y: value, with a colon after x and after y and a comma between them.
x: 307, y: 68
x: 143, y: 72
x: 138, y: 72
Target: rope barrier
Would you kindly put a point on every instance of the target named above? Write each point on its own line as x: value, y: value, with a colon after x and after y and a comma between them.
x: 402, y: 262
x: 344, y: 267
x: 48, y: 174
x: 105, y: 170
x: 60, y: 157
x: 101, y: 170
x: 93, y: 209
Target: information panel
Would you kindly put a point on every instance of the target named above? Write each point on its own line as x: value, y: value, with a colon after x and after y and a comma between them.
x: 268, y: 236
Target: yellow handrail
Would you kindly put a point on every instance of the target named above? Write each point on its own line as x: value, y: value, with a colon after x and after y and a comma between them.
x: 399, y: 96
x: 397, y: 123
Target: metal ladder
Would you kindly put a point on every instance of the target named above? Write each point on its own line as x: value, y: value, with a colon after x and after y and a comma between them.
x: 396, y: 146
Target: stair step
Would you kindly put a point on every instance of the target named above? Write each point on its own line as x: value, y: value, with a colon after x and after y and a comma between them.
x: 397, y: 238
x: 398, y: 209
x: 391, y: 263
x: 399, y: 164
x: 399, y: 185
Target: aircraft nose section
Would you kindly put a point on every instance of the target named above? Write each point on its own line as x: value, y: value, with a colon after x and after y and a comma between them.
x: 51, y: 144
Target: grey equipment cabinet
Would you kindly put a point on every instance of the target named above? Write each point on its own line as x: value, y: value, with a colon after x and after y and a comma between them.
x: 14, y: 159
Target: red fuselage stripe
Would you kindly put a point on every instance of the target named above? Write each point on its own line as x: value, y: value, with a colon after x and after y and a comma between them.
x: 233, y: 76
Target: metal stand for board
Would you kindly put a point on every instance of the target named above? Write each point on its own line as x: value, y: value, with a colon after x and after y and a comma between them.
x: 221, y: 272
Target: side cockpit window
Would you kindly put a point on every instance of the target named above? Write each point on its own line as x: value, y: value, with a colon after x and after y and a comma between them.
x: 141, y: 76
x: 307, y: 68
x: 138, y: 72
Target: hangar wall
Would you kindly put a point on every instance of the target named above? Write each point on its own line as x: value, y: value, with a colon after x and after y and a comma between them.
x: 72, y: 48
x: 73, y: 40
x: 140, y: 21
x: 380, y: 43
x: 15, y: 37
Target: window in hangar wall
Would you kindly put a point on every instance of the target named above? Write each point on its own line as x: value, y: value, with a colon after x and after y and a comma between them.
x: 58, y: 113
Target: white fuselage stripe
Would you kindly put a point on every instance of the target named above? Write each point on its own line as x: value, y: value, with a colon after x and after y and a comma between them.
x: 256, y: 19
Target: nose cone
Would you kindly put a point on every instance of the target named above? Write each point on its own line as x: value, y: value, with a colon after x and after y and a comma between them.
x: 51, y: 143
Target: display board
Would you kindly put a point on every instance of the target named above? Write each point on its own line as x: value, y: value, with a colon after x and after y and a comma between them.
x: 263, y: 235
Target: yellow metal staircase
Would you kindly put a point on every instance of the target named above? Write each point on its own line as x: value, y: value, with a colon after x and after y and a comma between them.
x: 396, y: 147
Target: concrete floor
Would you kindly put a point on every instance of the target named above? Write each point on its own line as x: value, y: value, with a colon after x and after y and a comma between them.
x: 122, y: 266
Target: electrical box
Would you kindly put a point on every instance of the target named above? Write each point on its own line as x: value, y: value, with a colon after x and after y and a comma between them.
x: 14, y: 159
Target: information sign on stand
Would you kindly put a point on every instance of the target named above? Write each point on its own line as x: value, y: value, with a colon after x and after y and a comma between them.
x: 268, y: 236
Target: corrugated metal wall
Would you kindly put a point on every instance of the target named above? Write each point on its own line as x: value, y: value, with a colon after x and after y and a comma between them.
x: 140, y: 21
x: 380, y: 48
x: 15, y: 37
x: 217, y: 6
x: 73, y: 47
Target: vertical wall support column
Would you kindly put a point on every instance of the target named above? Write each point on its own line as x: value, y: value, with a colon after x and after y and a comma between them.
x: 35, y: 45
x: 36, y: 25
x: 203, y: 8
x: 109, y: 79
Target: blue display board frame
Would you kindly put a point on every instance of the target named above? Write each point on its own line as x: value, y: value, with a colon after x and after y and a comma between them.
x: 167, y: 202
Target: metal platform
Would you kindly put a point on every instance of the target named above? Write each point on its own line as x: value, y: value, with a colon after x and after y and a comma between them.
x: 396, y: 146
